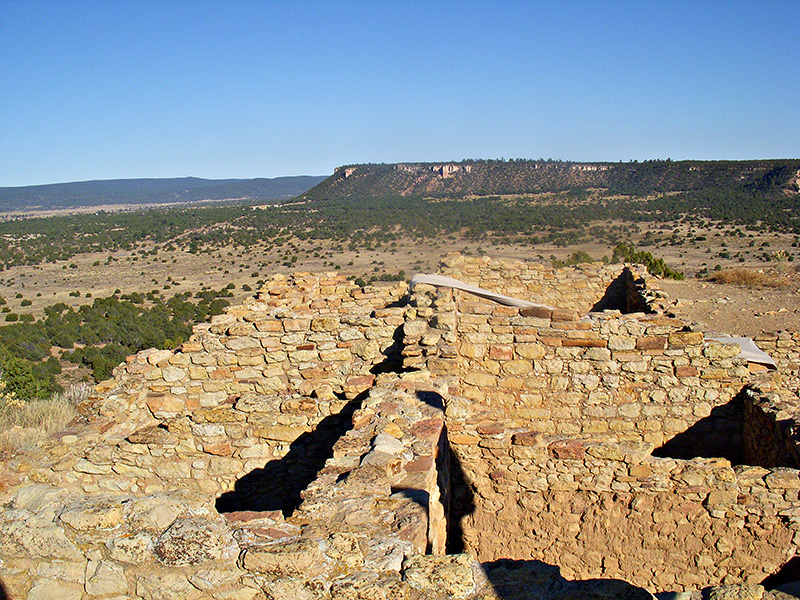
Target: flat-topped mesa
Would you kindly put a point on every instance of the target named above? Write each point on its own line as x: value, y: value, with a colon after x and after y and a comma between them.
x: 327, y: 441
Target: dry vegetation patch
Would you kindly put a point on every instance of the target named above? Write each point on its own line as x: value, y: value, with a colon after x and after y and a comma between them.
x: 753, y: 278
x: 24, y: 423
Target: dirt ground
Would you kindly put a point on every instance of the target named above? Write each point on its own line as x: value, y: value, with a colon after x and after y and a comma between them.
x: 735, y: 310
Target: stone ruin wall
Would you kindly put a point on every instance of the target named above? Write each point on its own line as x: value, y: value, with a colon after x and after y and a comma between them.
x: 554, y: 419
x: 513, y: 434
x: 239, y: 392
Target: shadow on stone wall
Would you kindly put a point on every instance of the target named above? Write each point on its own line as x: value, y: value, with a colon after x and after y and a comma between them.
x: 534, y: 579
x: 393, y: 355
x: 462, y: 503
x: 623, y: 295
x: 3, y: 595
x: 719, y: 435
x: 787, y: 574
x: 278, y: 484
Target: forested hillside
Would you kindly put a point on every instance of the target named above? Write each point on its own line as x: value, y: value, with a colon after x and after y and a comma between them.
x: 150, y: 191
x: 373, y: 204
x: 501, y: 177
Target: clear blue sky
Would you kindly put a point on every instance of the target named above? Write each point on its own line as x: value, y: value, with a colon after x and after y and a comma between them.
x: 144, y: 88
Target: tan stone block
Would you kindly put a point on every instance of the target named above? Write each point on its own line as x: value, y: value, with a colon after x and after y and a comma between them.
x: 290, y: 325
x: 284, y: 559
x: 597, y: 354
x: 722, y: 497
x: 640, y: 471
x: 243, y: 343
x: 464, y: 439
x: 714, y: 374
x: 573, y: 326
x: 480, y: 379
x: 164, y: 406
x: 335, y: 355
x: 594, y: 427
x: 651, y: 343
x: 269, y: 325
x: 681, y: 339
x: 531, y: 351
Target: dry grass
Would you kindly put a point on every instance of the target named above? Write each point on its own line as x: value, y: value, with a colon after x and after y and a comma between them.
x: 751, y: 278
x: 23, y: 424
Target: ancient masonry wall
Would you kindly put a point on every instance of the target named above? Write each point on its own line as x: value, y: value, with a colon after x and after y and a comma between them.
x: 237, y: 394
x: 282, y: 452
x: 554, y: 416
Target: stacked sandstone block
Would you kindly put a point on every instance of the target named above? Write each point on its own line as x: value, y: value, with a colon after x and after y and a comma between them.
x: 622, y: 376
x: 604, y: 509
x: 238, y: 393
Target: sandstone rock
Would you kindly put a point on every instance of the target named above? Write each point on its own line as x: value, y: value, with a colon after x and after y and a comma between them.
x: 567, y: 449
x: 368, y: 586
x: 296, y: 589
x: 386, y: 554
x: 67, y: 571
x: 164, y: 585
x: 454, y: 576
x: 192, y: 541
x: 134, y: 549
x: 102, y: 512
x: 238, y: 593
x: 105, y: 578
x: 165, y: 406
x: 36, y: 497
x: 48, y: 542
x: 744, y: 591
x: 210, y: 579
x: 284, y: 559
x: 154, y: 513
x: 48, y: 589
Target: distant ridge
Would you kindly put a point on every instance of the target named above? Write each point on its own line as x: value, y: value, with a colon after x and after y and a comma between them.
x: 83, y: 194
x: 477, y: 178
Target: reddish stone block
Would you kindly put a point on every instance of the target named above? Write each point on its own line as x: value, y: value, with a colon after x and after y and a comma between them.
x: 364, y: 381
x: 651, y: 343
x: 429, y: 429
x: 501, y: 352
x: 685, y: 371
x: 423, y: 463
x: 490, y: 428
x: 567, y: 449
x: 526, y: 438
x: 244, y: 516
x: 497, y: 475
x: 223, y: 449
x: 564, y: 314
x: 540, y: 312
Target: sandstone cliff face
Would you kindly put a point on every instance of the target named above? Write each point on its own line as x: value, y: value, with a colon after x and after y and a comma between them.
x: 324, y: 441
